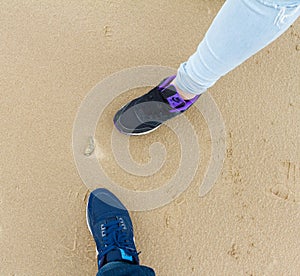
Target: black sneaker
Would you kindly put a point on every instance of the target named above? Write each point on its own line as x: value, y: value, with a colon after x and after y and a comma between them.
x: 110, y: 224
x: 146, y: 113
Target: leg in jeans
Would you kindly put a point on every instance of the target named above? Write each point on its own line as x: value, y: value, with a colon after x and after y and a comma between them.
x: 240, y: 29
x: 125, y: 269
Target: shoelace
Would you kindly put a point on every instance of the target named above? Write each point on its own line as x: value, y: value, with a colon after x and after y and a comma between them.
x: 116, y: 238
x: 160, y: 113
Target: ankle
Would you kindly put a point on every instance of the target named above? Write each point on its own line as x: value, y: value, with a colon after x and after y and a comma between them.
x: 184, y: 95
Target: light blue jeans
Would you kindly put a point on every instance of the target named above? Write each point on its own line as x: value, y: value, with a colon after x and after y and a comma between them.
x: 240, y: 29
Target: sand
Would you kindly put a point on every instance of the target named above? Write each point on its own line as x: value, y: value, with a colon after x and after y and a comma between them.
x: 54, y: 52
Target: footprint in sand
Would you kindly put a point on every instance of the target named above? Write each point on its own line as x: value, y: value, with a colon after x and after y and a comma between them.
x: 288, y: 187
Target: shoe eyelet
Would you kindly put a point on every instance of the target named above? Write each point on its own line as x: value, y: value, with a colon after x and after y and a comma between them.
x: 122, y: 224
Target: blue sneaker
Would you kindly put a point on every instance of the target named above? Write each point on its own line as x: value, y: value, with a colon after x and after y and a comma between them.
x: 110, y: 224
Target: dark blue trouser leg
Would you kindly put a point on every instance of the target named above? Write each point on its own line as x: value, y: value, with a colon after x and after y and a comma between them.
x: 125, y: 269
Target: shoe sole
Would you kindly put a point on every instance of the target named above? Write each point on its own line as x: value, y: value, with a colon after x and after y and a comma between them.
x: 138, y: 134
x: 88, y: 225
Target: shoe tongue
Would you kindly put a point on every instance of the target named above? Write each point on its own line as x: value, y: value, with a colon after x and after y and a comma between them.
x: 171, y: 95
x: 118, y: 254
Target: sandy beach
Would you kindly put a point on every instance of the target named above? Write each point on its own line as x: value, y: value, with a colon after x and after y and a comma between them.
x: 54, y: 52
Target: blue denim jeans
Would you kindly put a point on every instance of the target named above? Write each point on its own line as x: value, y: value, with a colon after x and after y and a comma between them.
x: 240, y: 29
x: 125, y: 269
